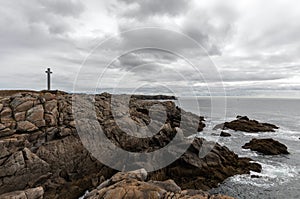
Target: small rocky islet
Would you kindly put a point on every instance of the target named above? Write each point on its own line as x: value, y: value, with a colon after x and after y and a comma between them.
x: 42, y: 155
x: 243, y: 123
x: 266, y: 146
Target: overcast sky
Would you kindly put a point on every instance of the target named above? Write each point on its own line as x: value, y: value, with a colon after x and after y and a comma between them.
x: 253, y: 45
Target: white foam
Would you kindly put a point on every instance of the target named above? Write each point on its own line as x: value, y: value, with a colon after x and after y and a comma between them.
x: 279, y: 171
x: 246, y: 179
x: 289, y: 138
x: 82, y: 197
x: 248, y: 153
x: 282, y: 133
x: 287, y: 131
x: 287, y: 134
x: 271, y: 175
x: 260, y: 134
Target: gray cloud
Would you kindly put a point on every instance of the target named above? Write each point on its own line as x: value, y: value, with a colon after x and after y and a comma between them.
x: 148, y: 8
x: 145, y: 56
x: 211, y: 28
x: 34, y: 36
x: 208, y: 29
x: 72, y: 8
x: 254, y: 48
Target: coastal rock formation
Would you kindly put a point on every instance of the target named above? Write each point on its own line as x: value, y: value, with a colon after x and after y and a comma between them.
x: 40, y: 145
x: 266, y: 146
x: 243, y: 123
x: 133, y: 185
x: 204, y: 165
x: 34, y: 193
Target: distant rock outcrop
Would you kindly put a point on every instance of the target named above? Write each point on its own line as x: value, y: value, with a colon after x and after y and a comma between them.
x: 134, y: 185
x: 243, y: 123
x: 154, y: 97
x: 266, y: 146
x: 40, y: 145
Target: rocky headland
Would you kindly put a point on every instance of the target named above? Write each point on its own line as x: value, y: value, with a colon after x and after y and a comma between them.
x: 42, y: 154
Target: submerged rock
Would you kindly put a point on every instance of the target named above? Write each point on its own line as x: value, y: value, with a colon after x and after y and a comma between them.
x: 255, y: 176
x: 243, y: 123
x: 266, y: 146
x: 224, y: 134
x: 131, y: 186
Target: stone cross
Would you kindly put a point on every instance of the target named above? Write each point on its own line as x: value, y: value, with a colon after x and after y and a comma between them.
x: 48, y: 71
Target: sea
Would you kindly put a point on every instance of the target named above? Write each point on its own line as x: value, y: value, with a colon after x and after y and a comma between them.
x: 280, y: 176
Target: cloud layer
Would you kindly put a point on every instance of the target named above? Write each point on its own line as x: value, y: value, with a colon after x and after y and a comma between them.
x: 254, y: 45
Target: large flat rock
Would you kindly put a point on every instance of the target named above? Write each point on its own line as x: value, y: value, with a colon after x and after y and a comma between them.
x: 131, y: 186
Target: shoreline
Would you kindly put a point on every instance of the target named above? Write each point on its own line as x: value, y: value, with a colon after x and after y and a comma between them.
x: 36, y: 124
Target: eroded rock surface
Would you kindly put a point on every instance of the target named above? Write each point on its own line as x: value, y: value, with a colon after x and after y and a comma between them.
x: 34, y: 193
x: 40, y: 145
x: 204, y: 165
x: 132, y: 185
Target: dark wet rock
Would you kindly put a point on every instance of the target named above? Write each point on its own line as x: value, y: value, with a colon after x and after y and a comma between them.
x: 225, y: 134
x: 193, y: 172
x: 247, y: 125
x: 131, y: 186
x: 242, y: 118
x: 266, y: 146
x: 40, y: 145
x: 255, y: 176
